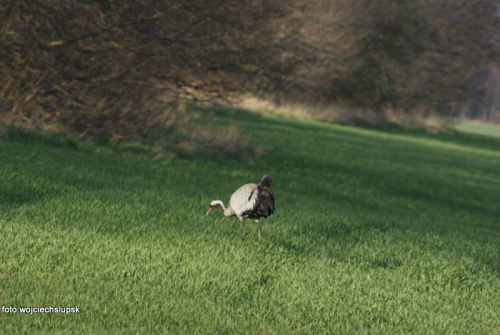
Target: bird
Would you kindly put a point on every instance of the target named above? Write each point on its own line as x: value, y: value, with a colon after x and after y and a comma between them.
x: 252, y: 201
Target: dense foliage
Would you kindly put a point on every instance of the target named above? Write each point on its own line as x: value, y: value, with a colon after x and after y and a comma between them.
x: 112, y: 68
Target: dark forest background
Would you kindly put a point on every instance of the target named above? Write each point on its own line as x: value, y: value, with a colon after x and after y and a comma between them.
x: 121, y: 69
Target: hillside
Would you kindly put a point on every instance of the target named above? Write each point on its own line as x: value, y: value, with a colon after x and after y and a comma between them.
x: 375, y: 232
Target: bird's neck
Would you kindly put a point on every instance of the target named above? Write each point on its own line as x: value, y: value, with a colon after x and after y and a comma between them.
x: 224, y: 210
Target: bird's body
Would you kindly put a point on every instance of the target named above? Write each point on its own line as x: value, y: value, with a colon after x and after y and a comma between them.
x: 253, y: 201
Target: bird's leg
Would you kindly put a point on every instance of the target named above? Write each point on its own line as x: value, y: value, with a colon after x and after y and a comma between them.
x: 241, y: 225
x: 258, y: 225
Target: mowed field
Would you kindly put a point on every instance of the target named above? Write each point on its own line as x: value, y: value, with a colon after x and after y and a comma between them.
x: 375, y: 232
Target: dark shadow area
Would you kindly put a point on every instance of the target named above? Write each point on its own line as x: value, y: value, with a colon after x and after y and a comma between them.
x: 55, y: 138
x: 20, y: 194
x: 448, y: 135
x: 476, y: 141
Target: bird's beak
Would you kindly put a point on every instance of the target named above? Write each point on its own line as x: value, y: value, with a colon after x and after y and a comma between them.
x: 209, y: 210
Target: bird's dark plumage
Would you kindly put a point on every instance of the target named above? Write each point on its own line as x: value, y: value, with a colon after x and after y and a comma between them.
x: 264, y: 204
x: 252, y: 201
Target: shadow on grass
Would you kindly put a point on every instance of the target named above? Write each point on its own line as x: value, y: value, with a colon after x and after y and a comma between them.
x: 19, y: 195
x: 56, y: 139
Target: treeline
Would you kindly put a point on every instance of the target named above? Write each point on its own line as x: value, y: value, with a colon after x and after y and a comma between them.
x: 113, y: 68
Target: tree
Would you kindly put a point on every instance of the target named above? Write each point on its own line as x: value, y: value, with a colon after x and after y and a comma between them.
x: 409, y: 55
x: 112, y: 67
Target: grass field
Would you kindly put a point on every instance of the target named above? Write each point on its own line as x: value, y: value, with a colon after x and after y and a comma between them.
x: 479, y: 128
x: 376, y: 232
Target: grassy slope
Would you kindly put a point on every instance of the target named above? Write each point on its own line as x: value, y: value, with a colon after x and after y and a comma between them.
x: 375, y: 232
x: 479, y: 128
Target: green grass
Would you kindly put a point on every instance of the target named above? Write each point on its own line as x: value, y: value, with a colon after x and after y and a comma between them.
x: 386, y: 232
x: 479, y: 128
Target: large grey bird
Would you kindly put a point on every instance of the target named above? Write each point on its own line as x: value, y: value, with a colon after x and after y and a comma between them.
x: 253, y: 201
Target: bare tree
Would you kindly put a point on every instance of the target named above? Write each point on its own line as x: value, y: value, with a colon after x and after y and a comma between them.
x: 111, y: 67
x: 406, y: 55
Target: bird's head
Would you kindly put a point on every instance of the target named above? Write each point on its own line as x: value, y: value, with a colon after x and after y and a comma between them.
x: 213, y: 204
x: 266, y: 181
